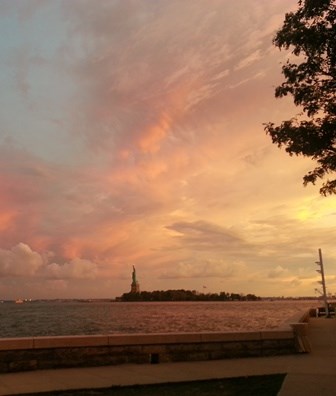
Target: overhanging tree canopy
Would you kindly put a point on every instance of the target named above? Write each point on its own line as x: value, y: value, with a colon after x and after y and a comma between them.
x: 310, y: 33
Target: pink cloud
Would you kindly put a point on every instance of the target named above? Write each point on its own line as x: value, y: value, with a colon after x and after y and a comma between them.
x: 165, y: 150
x: 77, y: 269
x: 150, y: 139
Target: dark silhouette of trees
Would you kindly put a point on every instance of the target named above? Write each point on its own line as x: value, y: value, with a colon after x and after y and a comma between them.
x: 310, y: 33
x: 185, y: 295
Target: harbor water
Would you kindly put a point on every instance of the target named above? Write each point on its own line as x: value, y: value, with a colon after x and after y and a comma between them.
x: 55, y: 318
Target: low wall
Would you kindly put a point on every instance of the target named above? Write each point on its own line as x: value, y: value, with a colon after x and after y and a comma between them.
x: 21, y: 354
x: 299, y: 324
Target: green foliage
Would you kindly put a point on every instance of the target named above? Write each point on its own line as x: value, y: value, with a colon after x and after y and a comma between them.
x: 310, y: 33
x: 186, y: 295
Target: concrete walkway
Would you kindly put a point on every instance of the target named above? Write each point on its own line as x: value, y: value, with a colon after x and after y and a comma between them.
x: 307, y: 374
x: 315, y: 373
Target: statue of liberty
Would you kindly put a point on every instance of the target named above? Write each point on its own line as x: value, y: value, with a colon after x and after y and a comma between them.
x: 135, y: 287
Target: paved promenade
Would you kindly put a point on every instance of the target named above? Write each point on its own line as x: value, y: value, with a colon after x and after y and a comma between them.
x: 314, y: 373
x: 307, y: 374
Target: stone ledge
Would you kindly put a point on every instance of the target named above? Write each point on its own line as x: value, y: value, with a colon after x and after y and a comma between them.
x: 276, y: 334
x: 300, y: 317
x: 141, y: 339
x: 69, y: 341
x: 16, y: 343
x: 157, y: 338
x: 80, y: 351
x: 235, y: 336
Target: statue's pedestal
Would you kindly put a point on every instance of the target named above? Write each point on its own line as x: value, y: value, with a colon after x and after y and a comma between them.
x: 135, y: 287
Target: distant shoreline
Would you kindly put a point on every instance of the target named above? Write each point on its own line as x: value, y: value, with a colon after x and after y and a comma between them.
x: 118, y: 299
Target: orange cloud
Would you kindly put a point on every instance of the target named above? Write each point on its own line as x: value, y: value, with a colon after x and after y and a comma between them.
x: 150, y: 139
x: 161, y: 128
x: 7, y: 220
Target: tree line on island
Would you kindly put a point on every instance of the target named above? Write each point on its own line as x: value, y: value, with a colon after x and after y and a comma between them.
x: 186, y: 295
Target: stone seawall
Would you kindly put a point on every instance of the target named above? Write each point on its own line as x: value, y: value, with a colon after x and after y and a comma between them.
x: 23, y: 354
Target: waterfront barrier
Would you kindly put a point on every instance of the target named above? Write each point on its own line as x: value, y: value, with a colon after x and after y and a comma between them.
x: 299, y: 325
x: 36, y: 353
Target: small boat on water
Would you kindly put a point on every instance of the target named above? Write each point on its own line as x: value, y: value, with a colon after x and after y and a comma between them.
x: 19, y: 301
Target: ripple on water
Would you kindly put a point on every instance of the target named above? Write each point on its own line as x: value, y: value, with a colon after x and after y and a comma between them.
x: 50, y: 318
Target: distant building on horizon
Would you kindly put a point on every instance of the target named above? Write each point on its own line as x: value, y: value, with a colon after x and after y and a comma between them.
x: 135, y: 287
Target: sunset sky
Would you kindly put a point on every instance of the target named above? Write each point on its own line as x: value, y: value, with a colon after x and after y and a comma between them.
x: 131, y: 133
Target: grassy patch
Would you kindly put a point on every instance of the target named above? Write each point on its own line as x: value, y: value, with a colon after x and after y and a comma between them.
x: 265, y: 385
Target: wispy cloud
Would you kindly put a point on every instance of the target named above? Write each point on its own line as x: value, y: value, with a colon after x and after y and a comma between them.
x: 132, y: 134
